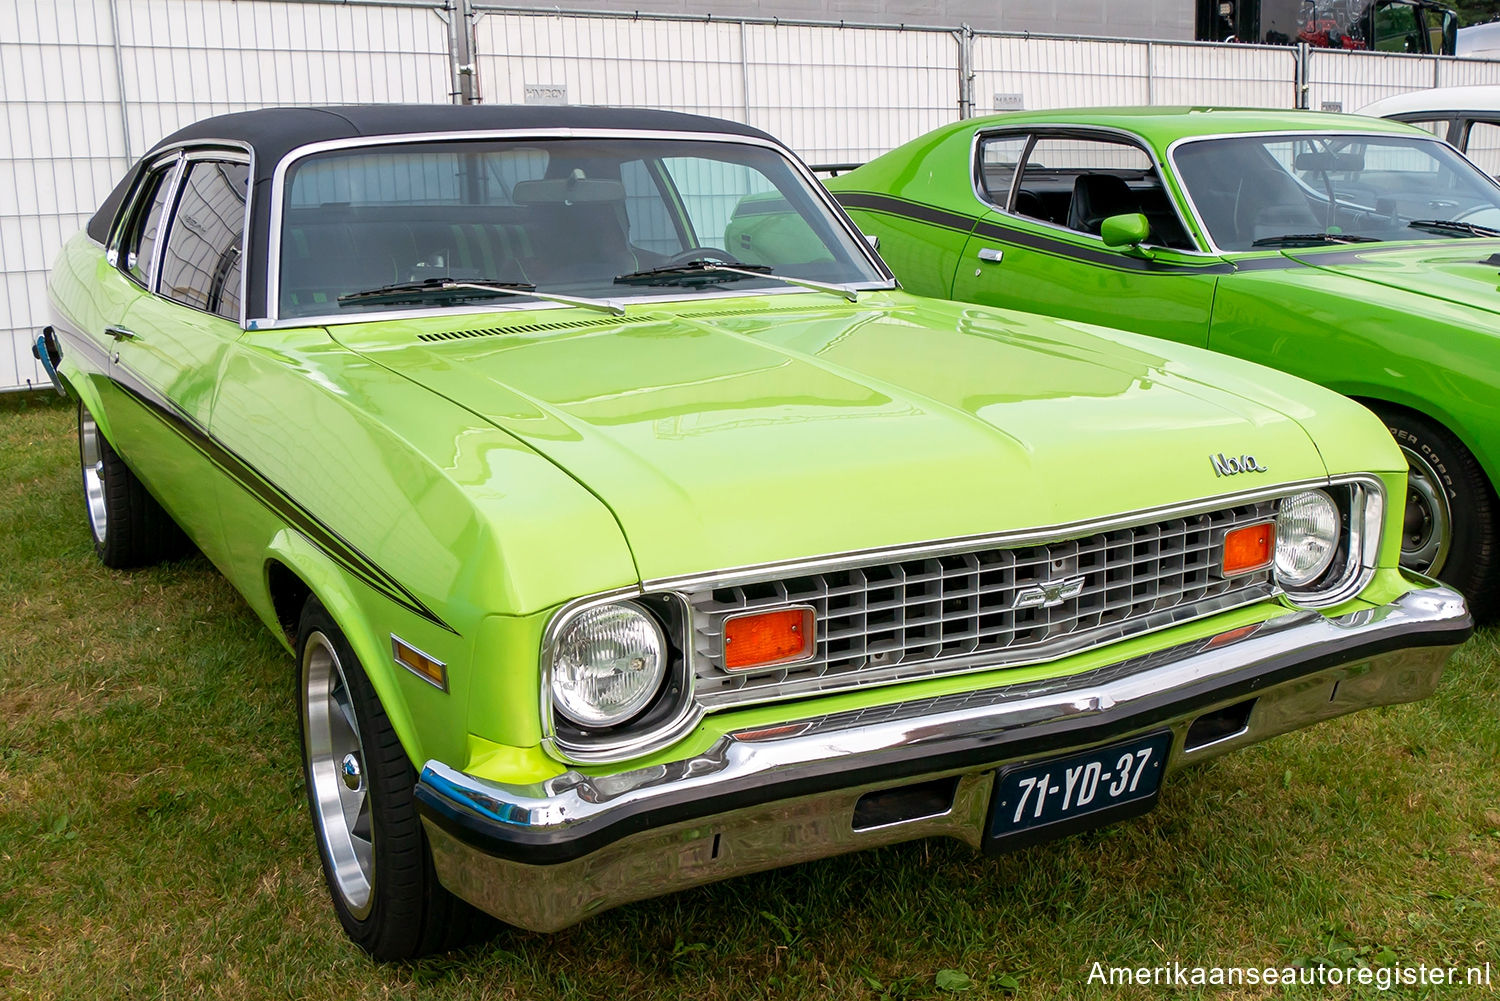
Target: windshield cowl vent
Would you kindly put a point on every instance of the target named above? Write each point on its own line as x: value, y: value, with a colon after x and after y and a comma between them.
x: 529, y: 328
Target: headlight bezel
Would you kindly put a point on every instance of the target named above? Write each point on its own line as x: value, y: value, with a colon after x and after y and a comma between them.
x: 670, y: 711
x: 1360, y: 502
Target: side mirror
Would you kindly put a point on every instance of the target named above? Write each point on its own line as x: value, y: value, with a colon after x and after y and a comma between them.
x: 872, y: 240
x: 1127, y: 230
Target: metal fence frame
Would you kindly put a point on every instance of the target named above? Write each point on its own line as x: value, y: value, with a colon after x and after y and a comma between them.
x: 89, y: 85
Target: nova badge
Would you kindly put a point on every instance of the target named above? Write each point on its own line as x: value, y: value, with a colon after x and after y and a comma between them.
x: 1048, y: 594
x: 1231, y: 466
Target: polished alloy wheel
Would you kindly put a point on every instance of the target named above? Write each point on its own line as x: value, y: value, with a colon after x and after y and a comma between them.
x: 1427, y: 530
x: 336, y: 773
x: 92, y: 460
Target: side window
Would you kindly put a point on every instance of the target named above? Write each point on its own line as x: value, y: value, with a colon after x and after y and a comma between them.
x: 1396, y: 28
x: 1437, y: 126
x: 201, y: 265
x: 1483, y: 147
x: 138, y: 242
x: 1077, y: 183
x: 735, y: 208
x: 998, y: 158
x: 650, y: 220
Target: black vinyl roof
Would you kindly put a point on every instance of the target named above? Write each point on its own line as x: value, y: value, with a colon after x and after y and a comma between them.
x: 272, y: 133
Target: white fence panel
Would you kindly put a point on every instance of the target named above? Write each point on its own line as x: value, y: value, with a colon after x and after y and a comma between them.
x: 1039, y: 73
x: 1347, y: 81
x: 67, y: 131
x: 1240, y: 76
x: 61, y: 147
x: 849, y: 94
x: 690, y: 66
x: 1467, y: 72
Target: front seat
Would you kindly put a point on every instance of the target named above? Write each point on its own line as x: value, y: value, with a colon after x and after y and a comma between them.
x: 1096, y: 197
x: 578, y: 227
x: 1269, y: 202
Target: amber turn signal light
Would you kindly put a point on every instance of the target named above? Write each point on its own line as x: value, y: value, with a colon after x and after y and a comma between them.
x: 764, y: 639
x: 1249, y: 548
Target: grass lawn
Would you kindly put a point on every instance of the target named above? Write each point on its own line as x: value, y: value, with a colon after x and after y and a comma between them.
x: 154, y: 841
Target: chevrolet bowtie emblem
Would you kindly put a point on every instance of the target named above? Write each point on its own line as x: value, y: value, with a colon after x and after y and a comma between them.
x: 1048, y: 593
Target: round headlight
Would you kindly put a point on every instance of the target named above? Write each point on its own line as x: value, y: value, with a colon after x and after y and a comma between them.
x: 1307, y: 536
x: 607, y: 664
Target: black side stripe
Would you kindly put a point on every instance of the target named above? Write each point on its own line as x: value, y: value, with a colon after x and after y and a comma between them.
x: 871, y: 202
x: 333, y: 545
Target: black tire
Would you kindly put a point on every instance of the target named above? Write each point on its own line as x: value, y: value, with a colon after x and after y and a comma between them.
x: 404, y: 911
x: 129, y: 528
x: 1442, y: 471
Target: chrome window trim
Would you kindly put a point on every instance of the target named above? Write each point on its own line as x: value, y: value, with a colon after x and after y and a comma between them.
x: 278, y: 197
x: 133, y: 205
x: 1200, y: 239
x: 1187, y: 196
x: 1360, y: 568
x: 220, y: 152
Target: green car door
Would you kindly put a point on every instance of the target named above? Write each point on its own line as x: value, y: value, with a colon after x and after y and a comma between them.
x: 1041, y: 243
x: 171, y: 342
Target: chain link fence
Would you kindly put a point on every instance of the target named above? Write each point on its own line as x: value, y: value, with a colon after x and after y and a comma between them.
x: 89, y: 85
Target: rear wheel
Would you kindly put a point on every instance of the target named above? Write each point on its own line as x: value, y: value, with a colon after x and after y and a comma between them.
x: 129, y: 527
x: 360, y: 791
x: 1449, y: 528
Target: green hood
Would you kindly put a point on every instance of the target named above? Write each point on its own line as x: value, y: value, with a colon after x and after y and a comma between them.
x: 748, y: 430
x: 1457, y: 271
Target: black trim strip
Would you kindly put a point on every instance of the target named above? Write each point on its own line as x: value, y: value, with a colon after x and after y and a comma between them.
x: 551, y: 847
x: 333, y: 545
x: 890, y: 205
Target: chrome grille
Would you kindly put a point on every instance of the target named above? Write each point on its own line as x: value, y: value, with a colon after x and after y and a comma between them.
x: 937, y: 614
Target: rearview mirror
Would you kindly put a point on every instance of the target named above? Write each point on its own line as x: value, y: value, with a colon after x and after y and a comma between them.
x: 1329, y: 162
x: 1126, y: 230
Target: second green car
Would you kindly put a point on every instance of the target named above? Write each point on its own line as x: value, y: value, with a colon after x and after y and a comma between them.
x: 1360, y: 254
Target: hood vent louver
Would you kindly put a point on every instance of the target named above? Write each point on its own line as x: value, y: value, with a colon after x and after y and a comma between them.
x: 528, y: 328
x: 614, y: 321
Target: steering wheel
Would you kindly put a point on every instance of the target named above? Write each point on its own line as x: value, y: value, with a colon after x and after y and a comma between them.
x: 700, y: 254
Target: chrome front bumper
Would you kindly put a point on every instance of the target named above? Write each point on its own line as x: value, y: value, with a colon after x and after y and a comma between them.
x: 548, y: 855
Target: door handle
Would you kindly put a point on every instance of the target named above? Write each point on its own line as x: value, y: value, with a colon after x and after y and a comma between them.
x: 991, y: 255
x: 121, y: 333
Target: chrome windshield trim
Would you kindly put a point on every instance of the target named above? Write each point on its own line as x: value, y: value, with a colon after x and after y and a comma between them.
x: 491, y: 308
x: 278, y: 189
x: 1200, y: 239
x: 1187, y: 196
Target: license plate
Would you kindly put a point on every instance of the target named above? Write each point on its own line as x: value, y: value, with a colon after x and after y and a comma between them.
x: 1047, y: 799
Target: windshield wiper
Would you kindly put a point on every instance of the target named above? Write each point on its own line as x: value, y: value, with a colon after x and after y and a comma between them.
x: 1279, y: 241
x: 706, y: 272
x: 1451, y: 226
x: 452, y: 288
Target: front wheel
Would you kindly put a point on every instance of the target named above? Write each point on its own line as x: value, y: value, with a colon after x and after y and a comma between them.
x: 360, y: 791
x: 1448, y: 530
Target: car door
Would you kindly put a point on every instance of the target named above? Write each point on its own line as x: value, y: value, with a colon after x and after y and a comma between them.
x: 1038, y: 245
x: 172, y: 343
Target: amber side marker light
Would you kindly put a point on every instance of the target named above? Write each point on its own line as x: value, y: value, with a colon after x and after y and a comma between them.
x: 434, y: 672
x: 765, y: 639
x: 1250, y: 548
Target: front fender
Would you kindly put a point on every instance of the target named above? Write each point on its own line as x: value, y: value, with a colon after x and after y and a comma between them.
x: 331, y: 587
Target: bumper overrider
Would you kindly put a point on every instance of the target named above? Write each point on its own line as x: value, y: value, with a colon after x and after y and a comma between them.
x: 545, y: 856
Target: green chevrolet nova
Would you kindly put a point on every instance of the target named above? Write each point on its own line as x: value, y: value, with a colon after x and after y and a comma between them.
x: 631, y: 529
x: 1358, y: 253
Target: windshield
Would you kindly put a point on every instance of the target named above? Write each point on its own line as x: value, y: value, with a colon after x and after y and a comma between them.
x: 1254, y: 192
x: 565, y: 216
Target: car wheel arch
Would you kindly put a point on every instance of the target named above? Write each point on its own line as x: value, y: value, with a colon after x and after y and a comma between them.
x: 293, y: 568
x: 1379, y: 402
